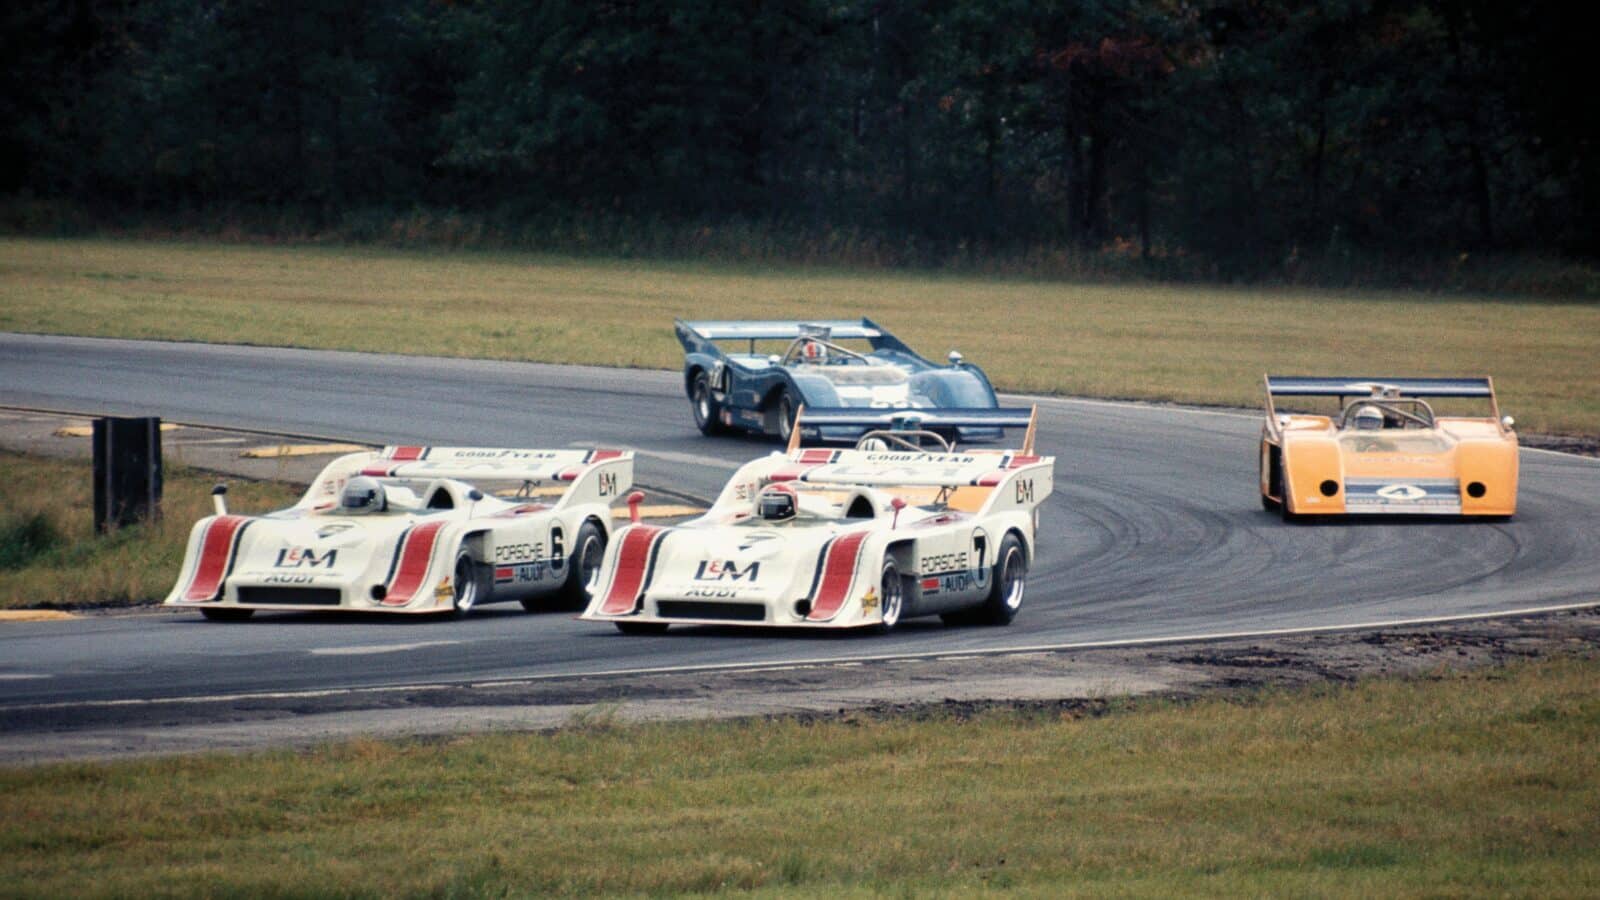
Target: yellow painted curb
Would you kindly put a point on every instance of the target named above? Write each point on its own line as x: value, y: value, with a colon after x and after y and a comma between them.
x: 280, y: 450
x: 659, y: 512
x: 87, y: 430
x: 33, y: 615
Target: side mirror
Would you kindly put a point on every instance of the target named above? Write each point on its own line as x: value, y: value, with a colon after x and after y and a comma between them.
x: 474, y: 495
x: 896, y: 504
x: 773, y: 359
x: 955, y: 357
x: 1506, y: 422
x: 219, y: 501
x: 634, y: 499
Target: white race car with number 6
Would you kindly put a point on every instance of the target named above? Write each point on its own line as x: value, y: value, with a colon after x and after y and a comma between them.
x: 844, y: 538
x: 410, y: 530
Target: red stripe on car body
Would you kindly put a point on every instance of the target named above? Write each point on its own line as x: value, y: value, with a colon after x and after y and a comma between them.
x: 415, y: 557
x: 633, y: 561
x: 838, y: 570
x: 603, y: 455
x: 216, y: 549
x: 407, y: 453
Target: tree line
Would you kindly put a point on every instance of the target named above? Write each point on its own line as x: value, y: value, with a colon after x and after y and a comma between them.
x: 1243, y: 133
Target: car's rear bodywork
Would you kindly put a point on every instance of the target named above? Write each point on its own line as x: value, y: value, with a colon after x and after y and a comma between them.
x: 1386, y: 451
x: 438, y: 535
x: 742, y: 388
x: 937, y: 525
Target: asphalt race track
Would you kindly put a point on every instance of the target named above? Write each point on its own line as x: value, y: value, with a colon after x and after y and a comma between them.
x: 1154, y: 530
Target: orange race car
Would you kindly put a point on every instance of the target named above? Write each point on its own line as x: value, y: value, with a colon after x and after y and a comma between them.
x: 1385, y: 451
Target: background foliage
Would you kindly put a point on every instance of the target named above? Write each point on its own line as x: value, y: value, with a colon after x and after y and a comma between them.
x: 1229, y: 138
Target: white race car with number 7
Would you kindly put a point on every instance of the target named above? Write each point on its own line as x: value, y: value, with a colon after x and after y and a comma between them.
x: 414, y: 530
x: 904, y: 525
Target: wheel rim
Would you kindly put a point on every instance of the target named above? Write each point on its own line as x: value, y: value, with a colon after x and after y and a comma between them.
x: 466, y: 586
x: 1013, y: 579
x: 702, y: 402
x: 589, y: 563
x: 891, y: 598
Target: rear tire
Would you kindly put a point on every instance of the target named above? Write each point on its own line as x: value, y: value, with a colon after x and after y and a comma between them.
x: 583, y: 565
x: 707, y: 411
x: 227, y: 614
x: 1008, y: 582
x: 642, y: 627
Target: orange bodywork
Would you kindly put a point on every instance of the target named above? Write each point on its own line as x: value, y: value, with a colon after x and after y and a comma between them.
x: 1458, y: 466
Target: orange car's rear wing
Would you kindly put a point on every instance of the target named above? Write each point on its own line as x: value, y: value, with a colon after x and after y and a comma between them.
x: 1342, y: 387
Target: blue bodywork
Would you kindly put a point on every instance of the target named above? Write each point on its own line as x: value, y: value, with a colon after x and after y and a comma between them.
x: 746, y: 390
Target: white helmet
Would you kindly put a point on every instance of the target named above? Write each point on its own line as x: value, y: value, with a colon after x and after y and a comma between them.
x: 362, y: 495
x: 776, y: 503
x: 1369, y: 418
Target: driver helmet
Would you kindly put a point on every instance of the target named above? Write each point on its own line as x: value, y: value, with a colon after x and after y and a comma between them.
x: 776, y: 504
x: 1369, y: 418
x: 815, y: 352
x: 362, y: 495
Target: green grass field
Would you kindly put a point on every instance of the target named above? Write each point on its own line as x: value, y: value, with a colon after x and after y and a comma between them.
x: 50, y: 556
x: 1188, y: 344
x: 1483, y: 784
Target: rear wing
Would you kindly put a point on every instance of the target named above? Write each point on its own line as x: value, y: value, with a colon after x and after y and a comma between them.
x: 915, y: 421
x: 1341, y: 387
x: 698, y: 336
x: 896, y: 468
x: 611, y: 470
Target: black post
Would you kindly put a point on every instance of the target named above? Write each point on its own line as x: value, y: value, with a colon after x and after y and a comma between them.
x: 127, y: 472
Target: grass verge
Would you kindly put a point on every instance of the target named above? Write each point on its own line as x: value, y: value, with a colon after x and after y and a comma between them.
x: 1482, y: 783
x: 51, y: 557
x: 1157, y: 342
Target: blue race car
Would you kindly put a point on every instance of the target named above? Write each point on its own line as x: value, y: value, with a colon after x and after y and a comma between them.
x: 810, y: 363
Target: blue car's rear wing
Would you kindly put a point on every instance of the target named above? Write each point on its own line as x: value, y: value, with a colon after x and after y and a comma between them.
x: 697, y: 336
x: 914, y: 420
x: 981, y: 417
x: 1341, y: 387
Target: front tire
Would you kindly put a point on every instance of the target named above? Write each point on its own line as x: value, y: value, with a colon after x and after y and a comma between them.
x: 891, y: 598
x: 465, y: 595
x: 227, y: 614
x: 785, y: 415
x: 706, y: 409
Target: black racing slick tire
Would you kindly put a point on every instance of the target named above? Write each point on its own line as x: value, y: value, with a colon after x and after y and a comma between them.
x: 583, y: 566
x: 642, y: 627
x: 786, y: 410
x: 707, y: 411
x: 227, y: 614
x: 1008, y: 582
